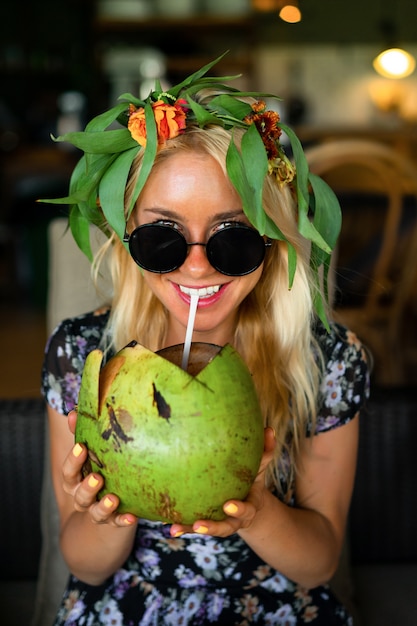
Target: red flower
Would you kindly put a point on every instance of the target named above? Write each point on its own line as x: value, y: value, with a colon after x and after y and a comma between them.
x: 266, y: 123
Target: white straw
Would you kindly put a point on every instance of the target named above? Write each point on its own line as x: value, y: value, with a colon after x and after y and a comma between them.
x: 189, y: 333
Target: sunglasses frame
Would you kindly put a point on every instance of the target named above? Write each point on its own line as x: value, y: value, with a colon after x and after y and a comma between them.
x: 131, y: 239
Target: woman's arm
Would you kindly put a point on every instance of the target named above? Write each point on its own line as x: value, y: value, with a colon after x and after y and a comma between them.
x: 302, y: 542
x: 95, y: 541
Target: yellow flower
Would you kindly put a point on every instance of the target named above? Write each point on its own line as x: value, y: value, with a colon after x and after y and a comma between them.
x: 282, y: 168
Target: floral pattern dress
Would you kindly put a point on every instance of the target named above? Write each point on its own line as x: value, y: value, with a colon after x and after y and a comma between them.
x: 195, y: 579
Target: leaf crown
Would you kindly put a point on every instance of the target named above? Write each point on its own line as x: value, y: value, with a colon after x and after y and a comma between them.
x: 97, y: 185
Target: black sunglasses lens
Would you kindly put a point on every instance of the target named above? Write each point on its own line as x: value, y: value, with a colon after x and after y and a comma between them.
x: 236, y: 250
x: 158, y: 248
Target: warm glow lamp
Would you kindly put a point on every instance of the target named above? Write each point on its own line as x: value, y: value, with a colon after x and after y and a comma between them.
x: 290, y: 11
x: 264, y: 5
x: 394, y: 63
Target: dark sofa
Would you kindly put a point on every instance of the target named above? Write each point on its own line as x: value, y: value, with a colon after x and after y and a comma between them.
x: 379, y: 579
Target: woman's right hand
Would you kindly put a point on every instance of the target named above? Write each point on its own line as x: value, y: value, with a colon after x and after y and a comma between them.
x: 85, y: 490
x: 95, y: 539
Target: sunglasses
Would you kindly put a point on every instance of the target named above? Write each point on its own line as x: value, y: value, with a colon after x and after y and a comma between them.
x: 235, y: 250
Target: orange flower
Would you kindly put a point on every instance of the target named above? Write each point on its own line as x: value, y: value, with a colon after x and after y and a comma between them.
x: 259, y: 106
x: 170, y: 121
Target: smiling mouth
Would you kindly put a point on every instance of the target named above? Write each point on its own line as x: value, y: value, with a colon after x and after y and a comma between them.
x: 204, y: 292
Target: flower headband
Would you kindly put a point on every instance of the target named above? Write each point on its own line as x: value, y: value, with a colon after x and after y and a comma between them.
x: 97, y: 186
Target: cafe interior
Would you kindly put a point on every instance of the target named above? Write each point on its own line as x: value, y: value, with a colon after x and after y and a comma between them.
x: 356, y: 116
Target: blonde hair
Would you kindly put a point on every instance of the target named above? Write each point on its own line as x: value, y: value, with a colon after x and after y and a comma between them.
x: 273, y: 332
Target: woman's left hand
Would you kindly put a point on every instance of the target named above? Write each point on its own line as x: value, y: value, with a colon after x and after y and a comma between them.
x: 240, y: 514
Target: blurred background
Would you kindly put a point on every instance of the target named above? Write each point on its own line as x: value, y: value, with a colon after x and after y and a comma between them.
x: 62, y: 63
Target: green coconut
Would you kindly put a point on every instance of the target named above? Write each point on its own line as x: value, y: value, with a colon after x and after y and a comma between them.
x: 173, y: 445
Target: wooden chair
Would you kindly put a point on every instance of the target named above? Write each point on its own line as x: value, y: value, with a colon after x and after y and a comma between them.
x: 367, y: 170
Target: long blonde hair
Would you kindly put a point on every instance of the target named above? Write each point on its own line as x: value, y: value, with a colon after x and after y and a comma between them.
x: 273, y: 332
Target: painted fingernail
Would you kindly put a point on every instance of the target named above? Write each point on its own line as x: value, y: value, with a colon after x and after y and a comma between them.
x: 231, y: 508
x: 92, y: 481
x: 108, y: 502
x: 202, y: 530
x: 77, y: 449
x: 178, y: 533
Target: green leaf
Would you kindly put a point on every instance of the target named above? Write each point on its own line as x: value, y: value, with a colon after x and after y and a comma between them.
x: 237, y: 174
x: 131, y: 99
x: 84, y: 179
x: 301, y: 166
x: 324, y: 228
x: 112, y: 190
x: 193, y: 78
x: 212, y: 83
x: 306, y: 227
x: 326, y: 268
x: 320, y: 309
x: 319, y: 303
x: 89, y: 171
x: 103, y: 121
x: 148, y: 157
x: 202, y: 115
x: 255, y: 163
x: 108, y: 141
x: 309, y: 231
x: 229, y: 105
x: 241, y: 175
x: 80, y: 229
x: 298, y: 153
x: 158, y: 86
x: 327, y: 212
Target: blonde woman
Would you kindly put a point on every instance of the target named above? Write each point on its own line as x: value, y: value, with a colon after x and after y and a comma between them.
x: 198, y: 197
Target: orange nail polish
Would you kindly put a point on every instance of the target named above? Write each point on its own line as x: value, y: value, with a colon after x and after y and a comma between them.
x: 108, y: 503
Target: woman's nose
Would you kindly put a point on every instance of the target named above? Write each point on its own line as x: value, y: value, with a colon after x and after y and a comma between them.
x: 196, y: 263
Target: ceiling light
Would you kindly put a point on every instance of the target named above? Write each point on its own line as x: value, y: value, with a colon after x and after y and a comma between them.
x: 290, y: 12
x: 394, y: 63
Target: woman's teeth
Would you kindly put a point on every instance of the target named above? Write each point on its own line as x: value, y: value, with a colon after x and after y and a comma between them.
x: 201, y: 293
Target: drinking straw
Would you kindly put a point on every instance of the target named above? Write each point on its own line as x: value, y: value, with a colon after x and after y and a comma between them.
x: 189, y: 332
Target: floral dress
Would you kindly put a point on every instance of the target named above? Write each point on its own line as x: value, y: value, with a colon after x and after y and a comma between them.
x: 195, y: 579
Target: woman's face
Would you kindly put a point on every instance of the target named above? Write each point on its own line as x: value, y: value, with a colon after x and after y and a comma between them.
x: 191, y: 193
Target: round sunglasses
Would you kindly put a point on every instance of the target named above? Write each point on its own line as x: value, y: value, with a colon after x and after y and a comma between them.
x: 235, y: 250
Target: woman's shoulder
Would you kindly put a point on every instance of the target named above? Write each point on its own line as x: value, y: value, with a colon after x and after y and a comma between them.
x: 338, y: 337
x: 344, y: 385
x: 339, y: 342
x: 88, y: 327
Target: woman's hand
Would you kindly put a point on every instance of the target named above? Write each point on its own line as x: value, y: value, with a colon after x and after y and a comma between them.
x: 85, y: 490
x: 240, y: 514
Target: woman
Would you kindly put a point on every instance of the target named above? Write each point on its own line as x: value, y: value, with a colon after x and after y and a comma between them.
x: 202, y: 172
